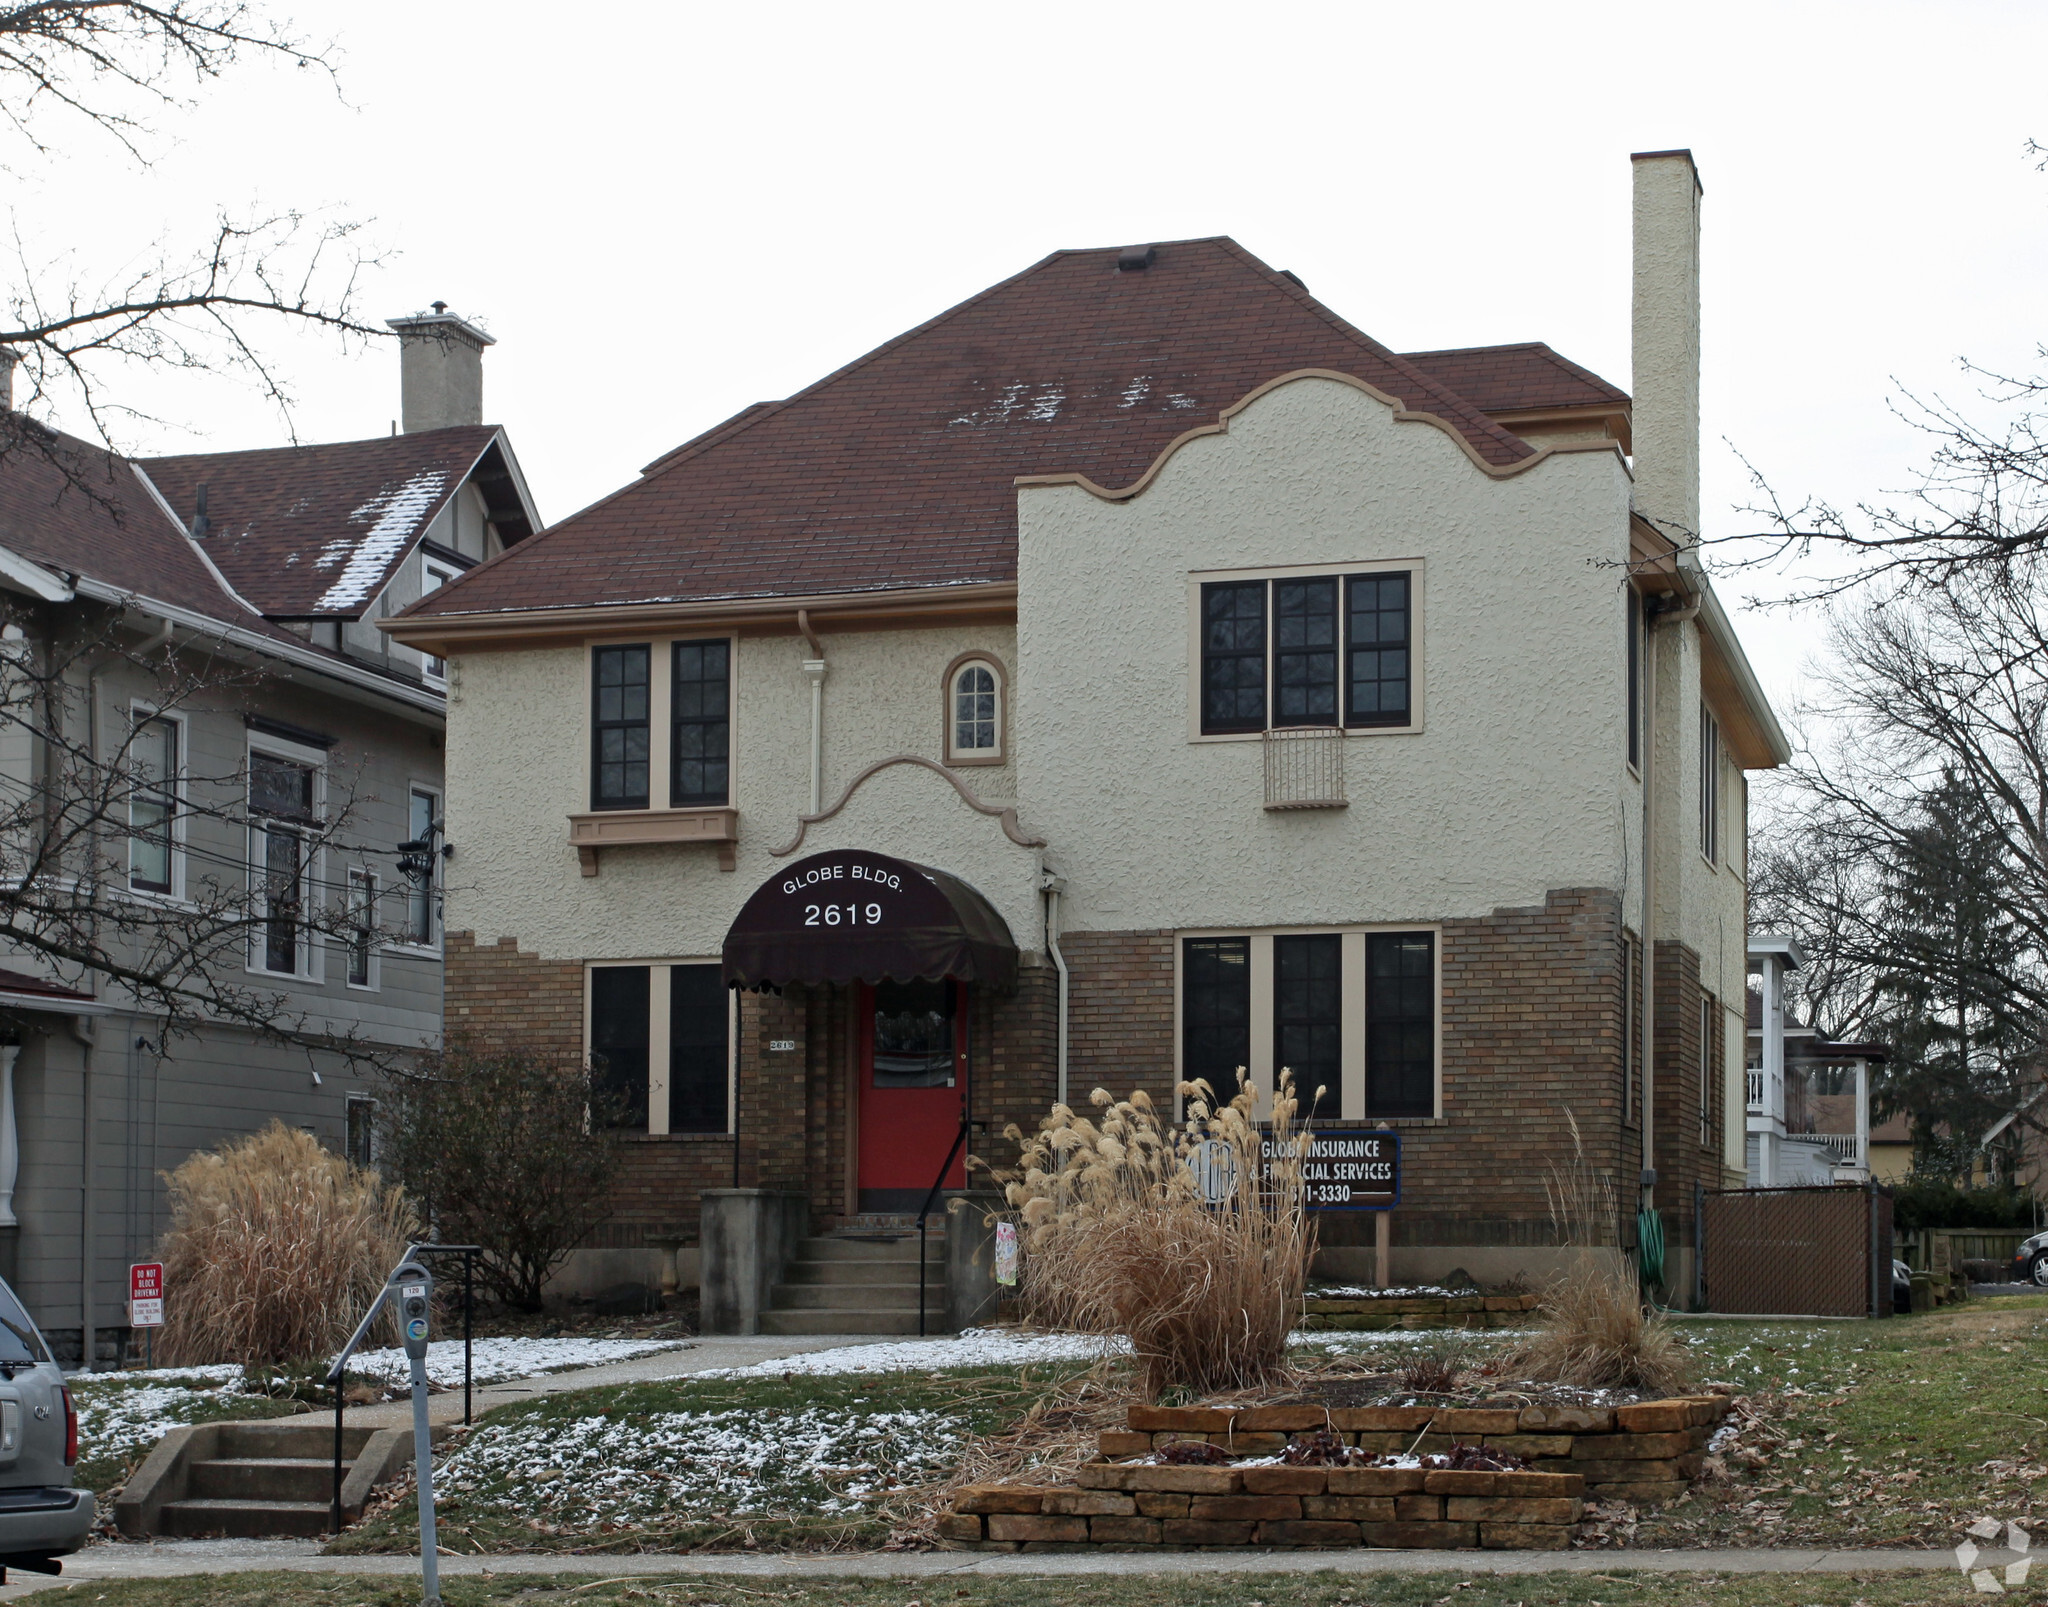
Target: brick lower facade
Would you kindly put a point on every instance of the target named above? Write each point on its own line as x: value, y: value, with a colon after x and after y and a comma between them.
x: 1533, y: 1021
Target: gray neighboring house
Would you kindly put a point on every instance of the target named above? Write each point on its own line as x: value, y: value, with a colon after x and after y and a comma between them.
x: 281, y: 561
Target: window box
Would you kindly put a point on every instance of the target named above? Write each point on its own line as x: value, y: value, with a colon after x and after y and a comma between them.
x: 605, y: 829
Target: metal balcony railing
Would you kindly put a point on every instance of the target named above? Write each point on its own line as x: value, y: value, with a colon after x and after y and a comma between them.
x: 1305, y: 768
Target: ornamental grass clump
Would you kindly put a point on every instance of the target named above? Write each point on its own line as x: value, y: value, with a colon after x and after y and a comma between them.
x: 1190, y: 1241
x: 276, y: 1248
x: 1594, y: 1329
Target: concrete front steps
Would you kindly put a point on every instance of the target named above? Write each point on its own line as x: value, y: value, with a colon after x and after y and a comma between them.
x: 249, y: 1481
x: 860, y: 1282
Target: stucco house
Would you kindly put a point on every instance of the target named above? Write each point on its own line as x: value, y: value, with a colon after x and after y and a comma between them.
x: 1134, y: 673
x: 254, y: 578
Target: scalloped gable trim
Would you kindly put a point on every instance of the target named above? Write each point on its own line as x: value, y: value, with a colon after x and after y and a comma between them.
x: 1402, y: 415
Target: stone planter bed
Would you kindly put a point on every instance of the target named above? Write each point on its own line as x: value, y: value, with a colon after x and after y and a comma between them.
x: 1643, y: 1453
x: 1417, y: 1311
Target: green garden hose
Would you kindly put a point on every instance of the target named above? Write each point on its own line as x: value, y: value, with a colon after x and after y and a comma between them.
x: 1650, y: 1246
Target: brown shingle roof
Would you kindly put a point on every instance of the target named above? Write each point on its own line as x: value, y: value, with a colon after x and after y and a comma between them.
x: 1517, y: 379
x: 80, y: 509
x: 317, y: 530
x: 898, y: 470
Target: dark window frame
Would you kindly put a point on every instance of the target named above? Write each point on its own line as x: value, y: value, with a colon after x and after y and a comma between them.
x: 1300, y: 1017
x: 1236, y: 653
x: 160, y: 794
x: 282, y: 927
x: 721, y: 723
x: 1221, y: 1078
x: 621, y: 1062
x: 690, y: 1057
x: 1354, y: 648
x: 1292, y: 666
x: 1379, y: 1021
x: 600, y: 726
x: 1635, y: 678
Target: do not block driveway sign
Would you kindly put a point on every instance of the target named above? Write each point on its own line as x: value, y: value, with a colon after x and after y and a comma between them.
x: 146, y: 1295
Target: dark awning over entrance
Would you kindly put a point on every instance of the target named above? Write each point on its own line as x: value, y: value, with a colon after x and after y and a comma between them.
x: 853, y: 916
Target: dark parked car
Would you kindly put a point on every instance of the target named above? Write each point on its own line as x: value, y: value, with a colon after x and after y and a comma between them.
x: 2030, y: 1261
x: 41, y: 1516
x: 1902, y: 1288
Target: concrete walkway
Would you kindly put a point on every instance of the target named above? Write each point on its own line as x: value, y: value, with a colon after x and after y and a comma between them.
x: 696, y: 1356
x: 169, y: 1559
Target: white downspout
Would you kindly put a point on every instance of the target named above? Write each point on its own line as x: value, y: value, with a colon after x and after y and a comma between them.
x: 1055, y: 885
x: 814, y: 668
x: 1862, y: 1118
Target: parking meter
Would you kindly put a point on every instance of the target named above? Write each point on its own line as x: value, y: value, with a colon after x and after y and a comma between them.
x: 413, y: 1288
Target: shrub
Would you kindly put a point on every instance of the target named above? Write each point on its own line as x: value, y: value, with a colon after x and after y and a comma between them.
x: 1593, y: 1327
x: 1935, y: 1202
x: 510, y: 1151
x: 1119, y: 1240
x: 276, y: 1248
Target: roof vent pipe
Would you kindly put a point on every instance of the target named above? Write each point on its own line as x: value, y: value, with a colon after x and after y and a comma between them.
x: 201, y: 523
x: 1135, y: 259
x: 440, y: 370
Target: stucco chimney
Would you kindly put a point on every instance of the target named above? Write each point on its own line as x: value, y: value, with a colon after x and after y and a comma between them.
x: 1665, y: 326
x: 440, y: 370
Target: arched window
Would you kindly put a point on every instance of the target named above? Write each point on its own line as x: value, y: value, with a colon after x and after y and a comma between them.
x: 974, y: 712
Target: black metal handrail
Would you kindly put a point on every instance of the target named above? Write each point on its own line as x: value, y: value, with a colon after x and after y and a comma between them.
x: 925, y: 1210
x: 336, y: 1373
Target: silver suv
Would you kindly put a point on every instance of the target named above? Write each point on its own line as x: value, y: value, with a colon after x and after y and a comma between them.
x: 41, y: 1516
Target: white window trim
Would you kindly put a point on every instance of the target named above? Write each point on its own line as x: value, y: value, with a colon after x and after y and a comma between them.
x: 661, y: 673
x: 1349, y: 1105
x: 1197, y: 578
x: 358, y: 876
x: 1000, y: 753
x: 658, y: 1001
x: 408, y: 945
x: 347, y: 1101
x: 442, y: 573
x: 138, y: 713
x: 312, y: 951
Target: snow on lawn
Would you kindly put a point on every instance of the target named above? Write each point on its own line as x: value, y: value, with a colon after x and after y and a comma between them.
x: 497, y: 1359
x: 742, y: 1463
x: 121, y: 1415
x: 973, y: 1347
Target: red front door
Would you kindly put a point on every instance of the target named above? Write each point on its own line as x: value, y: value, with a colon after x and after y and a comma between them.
x: 913, y: 1079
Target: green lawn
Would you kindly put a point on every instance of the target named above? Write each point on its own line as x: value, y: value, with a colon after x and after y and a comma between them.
x: 1613, y: 1588
x: 1886, y: 1433
x: 685, y: 1463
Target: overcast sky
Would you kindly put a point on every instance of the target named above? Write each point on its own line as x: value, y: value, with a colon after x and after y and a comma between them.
x: 666, y: 211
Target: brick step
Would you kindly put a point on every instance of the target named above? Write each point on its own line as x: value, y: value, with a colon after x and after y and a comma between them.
x: 265, y: 1478
x: 244, y: 1519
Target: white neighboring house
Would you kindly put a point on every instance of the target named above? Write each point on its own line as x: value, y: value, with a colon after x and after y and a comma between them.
x: 1808, y: 1097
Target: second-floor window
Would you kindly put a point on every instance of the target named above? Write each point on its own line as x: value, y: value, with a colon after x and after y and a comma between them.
x: 1710, y: 786
x: 153, y: 804
x: 422, y: 897
x: 1317, y: 650
x: 281, y: 805
x: 974, y: 712
x: 362, y: 928
x: 701, y: 731
x: 620, y: 730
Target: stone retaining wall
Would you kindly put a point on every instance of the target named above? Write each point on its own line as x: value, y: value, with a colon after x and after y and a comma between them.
x: 1420, y: 1311
x: 1644, y: 1453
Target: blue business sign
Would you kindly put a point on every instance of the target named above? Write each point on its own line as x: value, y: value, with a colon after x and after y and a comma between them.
x: 1348, y: 1168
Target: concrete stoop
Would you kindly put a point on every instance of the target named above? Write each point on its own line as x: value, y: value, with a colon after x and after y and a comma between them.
x: 258, y: 1480
x: 860, y: 1281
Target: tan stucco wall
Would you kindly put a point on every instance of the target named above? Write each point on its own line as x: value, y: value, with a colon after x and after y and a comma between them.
x: 518, y: 743
x: 1517, y: 784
